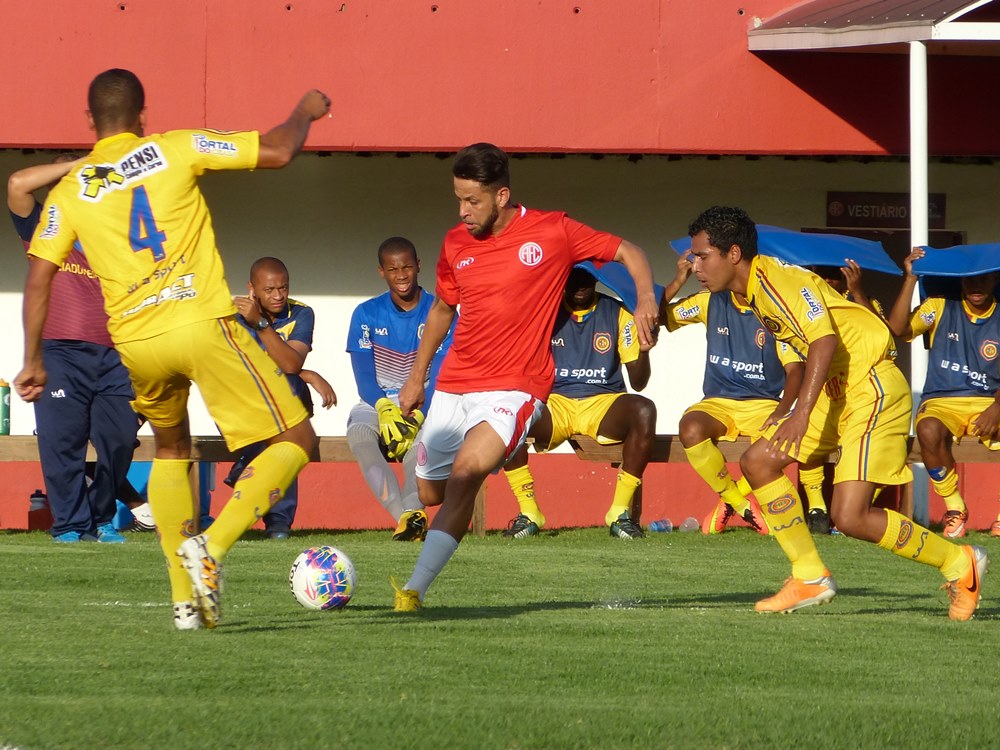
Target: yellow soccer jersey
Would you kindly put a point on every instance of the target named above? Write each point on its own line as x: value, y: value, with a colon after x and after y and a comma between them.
x: 926, y: 317
x: 798, y: 307
x: 135, y: 206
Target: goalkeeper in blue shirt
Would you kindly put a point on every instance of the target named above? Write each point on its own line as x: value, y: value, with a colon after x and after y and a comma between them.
x: 382, y: 341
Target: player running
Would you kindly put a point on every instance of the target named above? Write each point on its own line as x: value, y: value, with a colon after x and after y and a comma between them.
x: 506, y: 265
x: 852, y: 395
x: 133, y: 202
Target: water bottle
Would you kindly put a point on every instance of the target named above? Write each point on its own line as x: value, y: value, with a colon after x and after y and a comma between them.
x: 39, y: 513
x: 4, y: 407
x: 690, y: 524
x: 661, y: 525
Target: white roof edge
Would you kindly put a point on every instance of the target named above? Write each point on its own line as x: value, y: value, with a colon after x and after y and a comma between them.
x: 970, y: 32
x: 854, y: 36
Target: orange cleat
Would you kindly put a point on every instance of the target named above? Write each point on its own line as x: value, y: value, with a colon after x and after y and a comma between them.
x: 754, y: 518
x: 965, y: 592
x: 995, y: 528
x: 797, y: 593
x: 954, y: 523
x: 715, y: 522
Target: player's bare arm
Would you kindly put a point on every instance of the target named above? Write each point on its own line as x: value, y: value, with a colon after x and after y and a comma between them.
x: 289, y: 356
x: 37, y: 288
x: 439, y: 320
x: 328, y: 397
x: 788, y: 437
x: 684, y: 268
x: 647, y: 308
x: 22, y: 185
x: 639, y: 371
x: 282, y: 143
x: 899, y: 317
x: 852, y: 278
x: 794, y: 373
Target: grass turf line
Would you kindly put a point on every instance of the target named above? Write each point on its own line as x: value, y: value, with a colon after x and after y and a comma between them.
x: 569, y: 640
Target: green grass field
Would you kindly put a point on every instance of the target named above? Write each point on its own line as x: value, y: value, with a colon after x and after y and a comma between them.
x: 571, y: 640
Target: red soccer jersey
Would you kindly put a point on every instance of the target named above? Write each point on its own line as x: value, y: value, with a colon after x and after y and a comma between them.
x: 509, y: 287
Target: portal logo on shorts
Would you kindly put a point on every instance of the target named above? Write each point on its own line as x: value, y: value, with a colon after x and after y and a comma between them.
x: 530, y: 253
x: 503, y: 410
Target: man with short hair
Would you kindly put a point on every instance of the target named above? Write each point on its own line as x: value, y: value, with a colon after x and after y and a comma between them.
x: 594, y: 336
x: 134, y: 203
x: 852, y: 396
x: 506, y: 266
x: 382, y: 340
x: 961, y: 393
x: 284, y: 329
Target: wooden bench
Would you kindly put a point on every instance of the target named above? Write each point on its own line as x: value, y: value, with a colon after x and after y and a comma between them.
x: 208, y: 450
x: 668, y: 448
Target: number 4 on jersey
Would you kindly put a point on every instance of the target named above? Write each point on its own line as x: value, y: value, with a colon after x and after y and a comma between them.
x: 143, y: 234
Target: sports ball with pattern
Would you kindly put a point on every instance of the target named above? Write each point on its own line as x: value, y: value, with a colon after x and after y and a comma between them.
x: 322, y: 578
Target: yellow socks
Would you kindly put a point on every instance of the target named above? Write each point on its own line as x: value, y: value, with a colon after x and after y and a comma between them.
x: 522, y: 484
x: 263, y: 484
x: 945, y: 483
x: 625, y: 487
x: 783, y: 511
x: 812, y: 484
x: 171, y: 502
x: 706, y: 459
x: 909, y: 539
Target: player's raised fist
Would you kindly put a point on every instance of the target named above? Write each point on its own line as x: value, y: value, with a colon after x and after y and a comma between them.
x: 315, y: 104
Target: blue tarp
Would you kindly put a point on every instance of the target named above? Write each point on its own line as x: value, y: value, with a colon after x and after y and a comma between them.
x: 960, y: 260
x: 617, y: 278
x: 811, y: 249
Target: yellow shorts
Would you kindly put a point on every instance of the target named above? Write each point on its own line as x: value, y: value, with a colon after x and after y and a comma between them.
x: 870, y: 424
x: 957, y: 414
x: 571, y: 416
x: 740, y: 417
x: 247, y: 396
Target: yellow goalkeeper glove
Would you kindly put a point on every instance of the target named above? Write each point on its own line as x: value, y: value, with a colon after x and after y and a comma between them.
x: 391, y: 424
x: 411, y: 426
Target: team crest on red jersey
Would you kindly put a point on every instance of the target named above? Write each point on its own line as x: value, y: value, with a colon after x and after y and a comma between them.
x: 530, y: 253
x: 602, y: 342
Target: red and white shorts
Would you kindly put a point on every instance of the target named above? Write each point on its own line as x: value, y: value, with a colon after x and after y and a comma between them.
x: 452, y: 415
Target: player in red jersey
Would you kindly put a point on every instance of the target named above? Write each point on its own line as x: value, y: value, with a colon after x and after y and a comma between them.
x: 506, y: 266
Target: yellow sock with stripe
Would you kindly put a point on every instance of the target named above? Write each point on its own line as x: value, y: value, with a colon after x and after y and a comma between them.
x: 946, y: 485
x: 522, y: 484
x: 812, y: 484
x: 171, y: 501
x: 263, y: 484
x: 625, y: 487
x: 706, y: 459
x: 909, y: 539
x: 783, y: 511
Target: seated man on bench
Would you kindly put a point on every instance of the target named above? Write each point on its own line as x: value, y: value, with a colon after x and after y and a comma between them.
x: 594, y: 335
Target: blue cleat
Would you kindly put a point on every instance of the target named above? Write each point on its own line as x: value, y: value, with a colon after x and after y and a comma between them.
x: 106, y: 534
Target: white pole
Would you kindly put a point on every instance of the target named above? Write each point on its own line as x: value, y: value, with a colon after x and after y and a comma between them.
x: 919, y: 189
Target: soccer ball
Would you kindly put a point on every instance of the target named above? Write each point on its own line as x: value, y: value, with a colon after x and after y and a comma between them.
x: 322, y: 578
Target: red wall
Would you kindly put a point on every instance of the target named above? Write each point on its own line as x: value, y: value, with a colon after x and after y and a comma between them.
x: 532, y: 75
x: 570, y: 492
